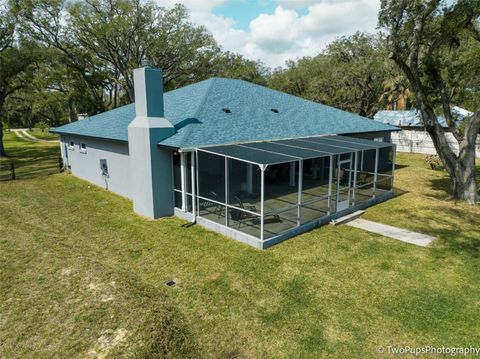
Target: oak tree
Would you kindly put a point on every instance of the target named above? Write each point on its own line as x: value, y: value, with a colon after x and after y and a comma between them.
x: 423, y: 38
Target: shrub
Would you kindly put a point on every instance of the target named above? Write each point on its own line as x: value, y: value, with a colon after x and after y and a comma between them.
x: 6, y: 127
x: 433, y: 161
x: 42, y: 125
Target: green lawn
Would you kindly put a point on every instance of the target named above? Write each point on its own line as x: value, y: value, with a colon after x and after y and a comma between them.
x: 43, y: 135
x: 31, y: 160
x: 81, y: 275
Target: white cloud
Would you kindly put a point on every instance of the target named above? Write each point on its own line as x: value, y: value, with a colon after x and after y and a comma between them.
x: 297, y: 4
x: 287, y: 33
x: 277, y: 32
x: 222, y: 28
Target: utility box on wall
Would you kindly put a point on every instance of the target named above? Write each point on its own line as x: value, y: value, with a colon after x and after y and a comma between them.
x: 104, y: 167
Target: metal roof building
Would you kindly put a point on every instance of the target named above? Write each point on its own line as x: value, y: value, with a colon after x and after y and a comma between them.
x: 413, y: 136
x: 412, y: 118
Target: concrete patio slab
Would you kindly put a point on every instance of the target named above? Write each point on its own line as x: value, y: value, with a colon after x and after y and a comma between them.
x: 403, y: 235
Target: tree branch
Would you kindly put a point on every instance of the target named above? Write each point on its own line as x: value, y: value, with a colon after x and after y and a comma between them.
x: 437, y: 80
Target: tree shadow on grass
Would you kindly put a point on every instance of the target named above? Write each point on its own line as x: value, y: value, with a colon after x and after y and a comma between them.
x: 29, y: 169
x: 30, y: 160
x: 442, y: 187
x: 454, y: 229
x: 400, y: 166
x: 398, y: 192
x: 31, y: 152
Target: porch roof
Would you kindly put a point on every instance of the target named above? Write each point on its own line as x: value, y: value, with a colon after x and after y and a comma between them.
x: 282, y: 151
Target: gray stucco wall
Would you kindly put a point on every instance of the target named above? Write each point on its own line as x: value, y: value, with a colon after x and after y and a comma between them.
x: 151, y: 167
x: 372, y: 135
x: 87, y: 165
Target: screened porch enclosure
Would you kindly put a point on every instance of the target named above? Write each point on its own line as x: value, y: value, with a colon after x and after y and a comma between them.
x: 268, y: 189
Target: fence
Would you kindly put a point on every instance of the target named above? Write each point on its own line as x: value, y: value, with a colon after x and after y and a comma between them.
x: 419, y: 141
x: 24, y: 169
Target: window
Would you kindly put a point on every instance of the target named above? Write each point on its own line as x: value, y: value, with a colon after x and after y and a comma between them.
x: 378, y: 139
x: 71, y: 145
x: 83, y: 148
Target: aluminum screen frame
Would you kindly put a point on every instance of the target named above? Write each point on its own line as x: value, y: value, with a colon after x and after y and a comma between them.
x: 266, y: 153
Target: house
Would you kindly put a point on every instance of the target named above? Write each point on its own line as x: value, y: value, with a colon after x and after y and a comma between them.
x: 413, y: 137
x: 252, y: 163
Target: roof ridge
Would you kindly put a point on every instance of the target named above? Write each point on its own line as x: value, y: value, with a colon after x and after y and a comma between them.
x: 209, y: 89
x: 199, y: 107
x: 205, y: 95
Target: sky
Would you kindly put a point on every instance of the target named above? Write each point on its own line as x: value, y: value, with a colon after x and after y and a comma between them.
x: 274, y: 31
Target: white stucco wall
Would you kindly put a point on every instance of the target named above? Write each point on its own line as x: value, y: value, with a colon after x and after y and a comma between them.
x: 87, y: 165
x: 419, y: 141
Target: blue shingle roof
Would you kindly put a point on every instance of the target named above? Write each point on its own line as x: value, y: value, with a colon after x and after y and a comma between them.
x: 196, y: 112
x: 180, y: 105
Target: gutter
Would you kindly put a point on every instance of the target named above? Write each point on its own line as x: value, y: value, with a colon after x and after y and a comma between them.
x: 167, y: 147
x: 88, y: 136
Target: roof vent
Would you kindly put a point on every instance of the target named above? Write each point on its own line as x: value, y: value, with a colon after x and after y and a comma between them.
x: 274, y: 110
x: 226, y: 110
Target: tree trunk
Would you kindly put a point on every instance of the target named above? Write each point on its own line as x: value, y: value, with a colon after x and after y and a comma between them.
x: 465, y: 188
x: 464, y: 180
x: 461, y: 168
x: 72, y: 113
x: 2, y: 148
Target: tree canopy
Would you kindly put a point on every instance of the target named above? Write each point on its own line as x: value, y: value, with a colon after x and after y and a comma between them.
x: 349, y: 74
x: 436, y: 46
x: 62, y: 58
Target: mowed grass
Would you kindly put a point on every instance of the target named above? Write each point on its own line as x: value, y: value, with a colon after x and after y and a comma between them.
x: 43, y: 135
x: 30, y: 160
x: 81, y: 275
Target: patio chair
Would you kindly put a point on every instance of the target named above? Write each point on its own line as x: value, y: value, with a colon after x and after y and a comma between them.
x: 240, y: 216
x: 274, y: 218
x: 340, y: 173
x: 343, y: 175
x: 362, y: 178
x: 217, y: 208
x: 250, y: 208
